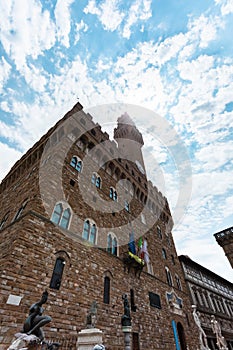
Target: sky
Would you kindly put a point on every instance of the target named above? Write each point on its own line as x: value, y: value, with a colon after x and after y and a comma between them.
x: 174, y: 58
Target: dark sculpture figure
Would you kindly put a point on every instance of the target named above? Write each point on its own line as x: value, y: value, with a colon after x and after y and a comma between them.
x: 32, y: 334
x: 92, y: 315
x: 126, y: 318
x: 35, y: 321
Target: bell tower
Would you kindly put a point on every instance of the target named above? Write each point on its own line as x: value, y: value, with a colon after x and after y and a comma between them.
x: 130, y: 141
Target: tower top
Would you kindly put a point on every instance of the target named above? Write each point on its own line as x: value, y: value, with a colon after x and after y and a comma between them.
x: 126, y: 129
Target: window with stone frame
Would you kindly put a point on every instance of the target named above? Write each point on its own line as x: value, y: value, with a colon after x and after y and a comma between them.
x: 132, y: 301
x: 159, y: 232
x: 96, y: 180
x: 61, y: 215
x: 178, y: 283
x: 4, y: 220
x: 112, y: 244
x: 168, y: 238
x: 143, y: 219
x: 173, y: 259
x: 56, y: 278
x: 154, y: 300
x: 164, y: 254
x: 127, y: 206
x: 20, y: 210
x: 168, y: 276
x: 106, y: 296
x: 90, y: 231
x: 76, y: 163
x: 113, y: 194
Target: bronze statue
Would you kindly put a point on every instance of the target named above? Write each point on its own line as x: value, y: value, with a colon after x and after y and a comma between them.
x: 126, y: 318
x: 35, y: 321
x: 92, y: 315
x: 32, y: 334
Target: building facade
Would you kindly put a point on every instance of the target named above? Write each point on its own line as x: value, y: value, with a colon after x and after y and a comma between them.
x: 80, y: 219
x: 225, y: 240
x: 213, y: 295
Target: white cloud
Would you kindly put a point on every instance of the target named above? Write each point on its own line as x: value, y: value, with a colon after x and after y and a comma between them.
x: 215, y: 155
x: 204, y: 29
x: 5, y: 69
x: 26, y: 30
x: 8, y: 156
x: 82, y: 26
x: 108, y: 13
x: 226, y: 6
x: 140, y: 10
x: 63, y: 21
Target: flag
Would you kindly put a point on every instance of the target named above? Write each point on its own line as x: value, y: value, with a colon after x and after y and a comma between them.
x: 145, y: 252
x: 131, y: 244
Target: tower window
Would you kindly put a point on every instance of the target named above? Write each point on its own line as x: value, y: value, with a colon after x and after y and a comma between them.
x: 113, y: 194
x: 127, y: 206
x: 169, y: 277
x: 4, y: 220
x: 159, y: 232
x: 76, y: 163
x: 61, y: 216
x: 93, y: 234
x: 55, y: 282
x: 143, y: 219
x: 96, y: 180
x: 164, y: 254
x: 89, y: 231
x: 106, y: 290
x: 112, y: 244
x: 65, y: 218
x: 178, y: 283
x: 20, y: 211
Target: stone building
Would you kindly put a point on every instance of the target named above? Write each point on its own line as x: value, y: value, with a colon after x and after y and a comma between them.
x: 71, y: 210
x: 213, y: 295
x: 225, y: 240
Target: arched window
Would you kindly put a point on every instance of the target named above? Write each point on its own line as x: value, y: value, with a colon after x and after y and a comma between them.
x: 132, y: 301
x: 96, y: 180
x: 106, y: 290
x: 4, y: 220
x: 113, y: 194
x: 86, y: 229
x: 57, y: 214
x: 127, y: 206
x: 61, y: 215
x: 76, y: 163
x: 55, y: 282
x: 169, y: 277
x: 65, y: 219
x: 109, y: 243
x: 164, y: 254
x: 112, y: 244
x: 178, y: 283
x: 143, y: 219
x: 90, y: 231
x: 168, y: 238
x: 159, y: 232
x: 20, y: 210
x: 93, y: 234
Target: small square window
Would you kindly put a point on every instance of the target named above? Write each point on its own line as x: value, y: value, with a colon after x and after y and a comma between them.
x: 72, y: 182
x: 154, y: 300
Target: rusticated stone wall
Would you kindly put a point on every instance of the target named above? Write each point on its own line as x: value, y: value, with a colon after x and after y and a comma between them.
x: 30, y: 245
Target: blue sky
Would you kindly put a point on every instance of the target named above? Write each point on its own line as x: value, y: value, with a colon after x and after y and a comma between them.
x: 174, y: 58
